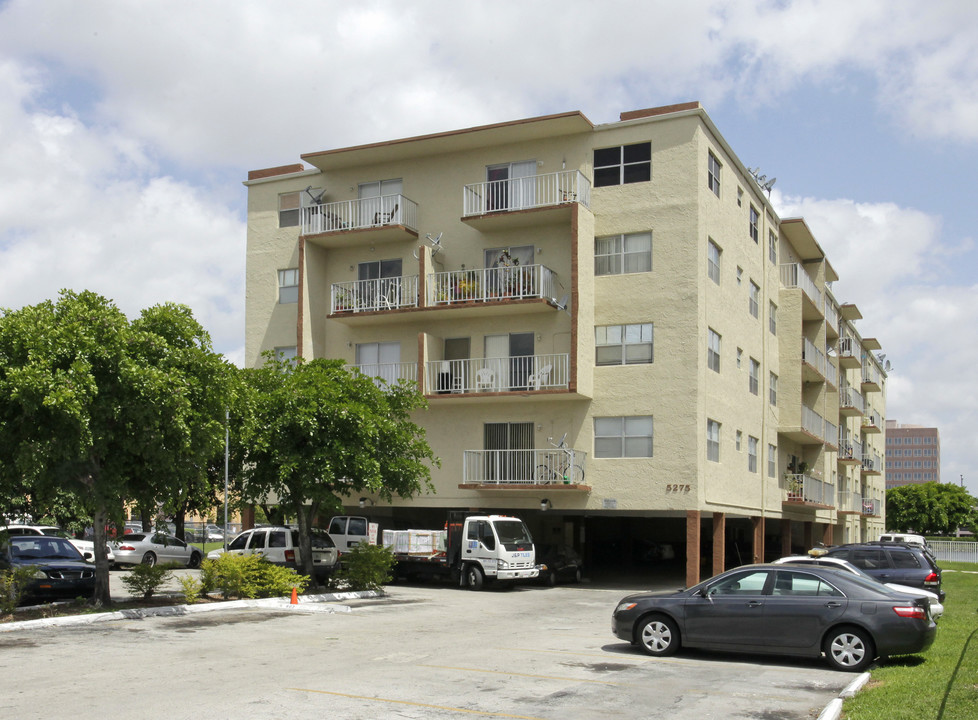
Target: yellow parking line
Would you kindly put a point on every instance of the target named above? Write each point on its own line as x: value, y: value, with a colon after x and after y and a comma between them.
x: 418, y: 704
x: 526, y: 675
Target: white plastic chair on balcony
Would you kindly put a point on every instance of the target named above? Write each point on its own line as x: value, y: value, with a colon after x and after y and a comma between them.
x: 539, y: 378
x: 485, y: 380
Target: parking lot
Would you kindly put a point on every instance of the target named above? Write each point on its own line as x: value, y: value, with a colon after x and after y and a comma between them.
x: 423, y: 651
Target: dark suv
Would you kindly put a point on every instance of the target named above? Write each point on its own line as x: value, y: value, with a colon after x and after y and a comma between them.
x: 894, y: 563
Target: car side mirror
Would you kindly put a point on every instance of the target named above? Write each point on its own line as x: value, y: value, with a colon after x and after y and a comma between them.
x: 89, y: 557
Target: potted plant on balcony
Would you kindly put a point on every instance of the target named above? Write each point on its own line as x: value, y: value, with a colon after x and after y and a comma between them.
x: 344, y: 301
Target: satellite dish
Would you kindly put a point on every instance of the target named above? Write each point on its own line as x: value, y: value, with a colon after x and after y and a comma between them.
x: 561, y: 304
x: 316, y: 199
x: 887, y: 366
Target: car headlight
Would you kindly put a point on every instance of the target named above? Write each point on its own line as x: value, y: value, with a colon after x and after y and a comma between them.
x: 624, y: 607
x: 40, y: 575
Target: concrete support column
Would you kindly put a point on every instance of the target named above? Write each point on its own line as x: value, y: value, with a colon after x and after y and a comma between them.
x: 757, y: 524
x: 809, y: 535
x: 785, y: 537
x: 692, y: 547
x: 719, y: 544
x: 828, y: 533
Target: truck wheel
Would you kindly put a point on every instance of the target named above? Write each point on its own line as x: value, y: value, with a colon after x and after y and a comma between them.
x: 473, y: 577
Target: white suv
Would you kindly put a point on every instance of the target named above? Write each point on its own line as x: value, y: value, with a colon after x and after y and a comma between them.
x: 280, y: 545
x: 85, y: 547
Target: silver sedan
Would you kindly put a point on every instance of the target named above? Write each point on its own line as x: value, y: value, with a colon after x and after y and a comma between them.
x: 151, y: 548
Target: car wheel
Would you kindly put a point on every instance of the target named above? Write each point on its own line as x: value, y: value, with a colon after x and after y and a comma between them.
x: 849, y: 649
x: 149, y: 559
x: 194, y: 561
x: 551, y: 578
x: 658, y: 636
x: 473, y: 577
x: 577, y: 575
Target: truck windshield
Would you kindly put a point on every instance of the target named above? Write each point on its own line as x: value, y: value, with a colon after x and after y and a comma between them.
x: 512, y: 532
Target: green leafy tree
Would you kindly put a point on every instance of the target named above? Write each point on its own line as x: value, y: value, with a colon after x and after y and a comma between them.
x: 321, y: 433
x: 930, y: 508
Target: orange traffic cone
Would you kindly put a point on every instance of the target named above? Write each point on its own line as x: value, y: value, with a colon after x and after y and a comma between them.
x: 295, y: 597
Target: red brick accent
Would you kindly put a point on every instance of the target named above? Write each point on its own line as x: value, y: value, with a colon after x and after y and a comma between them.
x: 300, y: 319
x: 272, y: 172
x: 828, y: 533
x: 663, y: 110
x: 719, y: 541
x: 692, y: 547
x: 758, y: 525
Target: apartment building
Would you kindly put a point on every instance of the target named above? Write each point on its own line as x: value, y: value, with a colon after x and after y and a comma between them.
x: 619, y: 339
x: 913, y: 454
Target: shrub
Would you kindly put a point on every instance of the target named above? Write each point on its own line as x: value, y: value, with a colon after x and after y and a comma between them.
x: 249, y: 576
x: 144, y: 580
x: 367, y: 567
x: 13, y: 583
x: 192, y: 588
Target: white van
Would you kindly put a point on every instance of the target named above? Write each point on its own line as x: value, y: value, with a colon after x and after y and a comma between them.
x: 909, y: 539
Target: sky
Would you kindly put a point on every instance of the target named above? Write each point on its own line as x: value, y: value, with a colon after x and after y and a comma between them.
x: 126, y: 130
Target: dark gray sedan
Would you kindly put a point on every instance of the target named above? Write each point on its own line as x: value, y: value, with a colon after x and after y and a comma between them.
x: 60, y: 571
x: 806, y: 612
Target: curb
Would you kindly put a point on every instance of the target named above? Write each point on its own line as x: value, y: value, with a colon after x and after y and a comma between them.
x: 327, y: 603
x: 833, y: 710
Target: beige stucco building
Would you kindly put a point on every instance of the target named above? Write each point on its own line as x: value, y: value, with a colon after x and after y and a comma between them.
x: 627, y: 287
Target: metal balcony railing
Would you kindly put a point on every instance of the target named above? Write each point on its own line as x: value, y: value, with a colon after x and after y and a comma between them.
x: 832, y: 315
x: 813, y: 356
x: 525, y: 193
x: 812, y: 422
x: 831, y: 432
x: 490, y: 284
x: 490, y: 375
x: 849, y: 348
x: 805, y: 488
x: 871, y: 373
x: 849, y: 450
x: 849, y: 397
x: 388, y: 373
x: 831, y: 374
x: 871, y: 506
x: 850, y: 502
x: 371, y: 295
x: 360, y: 214
x: 871, y: 418
x: 793, y: 275
x: 556, y: 466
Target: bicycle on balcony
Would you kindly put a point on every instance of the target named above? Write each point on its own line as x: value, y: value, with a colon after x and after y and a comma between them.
x: 559, y: 468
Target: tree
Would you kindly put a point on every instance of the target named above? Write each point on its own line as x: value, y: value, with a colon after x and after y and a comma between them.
x: 321, y: 433
x: 930, y: 508
x: 89, y: 407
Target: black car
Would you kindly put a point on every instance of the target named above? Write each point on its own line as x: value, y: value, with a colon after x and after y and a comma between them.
x: 61, y: 570
x: 563, y: 564
x: 899, y: 563
x: 807, y: 612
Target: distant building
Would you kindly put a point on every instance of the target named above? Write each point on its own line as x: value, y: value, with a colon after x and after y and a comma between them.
x: 913, y: 454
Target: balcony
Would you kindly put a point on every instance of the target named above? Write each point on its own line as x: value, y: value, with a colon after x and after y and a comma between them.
x: 509, y: 469
x: 813, y: 369
x: 498, y: 204
x: 793, y: 275
x: 374, y: 295
x: 872, y: 378
x: 849, y: 353
x: 851, y: 403
x: 872, y: 422
x: 831, y: 320
x: 498, y: 375
x: 871, y: 506
x: 806, y: 490
x: 388, y: 373
x: 831, y: 434
x: 849, y: 452
x: 486, y: 285
x: 388, y: 218
x: 831, y: 374
x: 872, y: 464
x: 850, y: 503
x: 810, y: 432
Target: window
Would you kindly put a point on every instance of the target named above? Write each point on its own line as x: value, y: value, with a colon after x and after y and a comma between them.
x: 740, y: 196
x: 751, y: 454
x: 772, y: 247
x: 773, y: 389
x: 290, y: 205
x: 713, y: 174
x: 740, y: 357
x: 740, y: 274
x: 623, y: 165
x: 754, y: 301
x: 738, y: 438
x: 754, y: 220
x: 772, y: 461
x: 755, y: 371
x: 623, y: 344
x: 617, y: 437
x: 618, y: 254
x: 286, y: 353
x: 379, y: 360
x: 713, y: 351
x: 713, y: 261
x: 288, y: 286
x: 713, y: 441
x: 772, y: 318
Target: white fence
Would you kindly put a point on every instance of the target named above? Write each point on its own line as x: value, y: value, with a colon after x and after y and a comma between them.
x: 526, y: 192
x: 485, y: 284
x: 793, y: 275
x: 379, y: 294
x: 360, y: 214
x: 954, y: 550
x: 507, y: 374
x: 560, y: 466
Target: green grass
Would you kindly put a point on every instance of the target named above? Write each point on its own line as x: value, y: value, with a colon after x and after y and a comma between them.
x: 940, y: 684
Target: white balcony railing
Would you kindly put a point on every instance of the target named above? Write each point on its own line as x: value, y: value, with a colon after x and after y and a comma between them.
x: 848, y: 450
x: 793, y: 275
x: 555, y: 466
x: 872, y: 462
x: 812, y: 422
x: 360, y: 214
x: 813, y: 356
x: 388, y: 373
x: 871, y: 506
x: 832, y: 315
x: 872, y: 419
x: 850, y: 501
x: 849, y: 397
x: 831, y: 374
x: 489, y: 284
x: 831, y: 432
x: 525, y: 193
x: 489, y: 375
x: 871, y: 373
x: 848, y: 348
x: 370, y: 295
x: 805, y: 488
